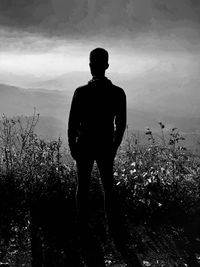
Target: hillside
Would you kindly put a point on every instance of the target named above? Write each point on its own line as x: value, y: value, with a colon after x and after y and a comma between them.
x: 18, y: 101
x: 54, y: 105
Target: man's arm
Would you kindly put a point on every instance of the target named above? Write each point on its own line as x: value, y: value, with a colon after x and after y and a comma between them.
x: 120, y: 120
x: 73, y: 124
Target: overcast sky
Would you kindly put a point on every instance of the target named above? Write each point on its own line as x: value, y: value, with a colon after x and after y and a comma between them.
x: 51, y: 37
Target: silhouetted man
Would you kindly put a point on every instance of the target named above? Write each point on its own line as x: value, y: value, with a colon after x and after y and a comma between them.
x: 97, y: 122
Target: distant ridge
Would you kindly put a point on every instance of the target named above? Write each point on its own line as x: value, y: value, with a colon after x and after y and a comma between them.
x: 54, y: 105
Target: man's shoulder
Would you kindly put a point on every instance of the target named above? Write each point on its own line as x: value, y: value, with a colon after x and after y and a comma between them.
x: 118, y: 89
x: 81, y: 88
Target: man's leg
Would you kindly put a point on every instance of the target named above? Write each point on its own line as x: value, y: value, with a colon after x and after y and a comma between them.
x: 91, y: 249
x: 84, y: 169
x: 115, y: 213
x: 105, y: 165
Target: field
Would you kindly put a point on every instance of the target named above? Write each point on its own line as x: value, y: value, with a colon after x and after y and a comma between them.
x: 158, y: 185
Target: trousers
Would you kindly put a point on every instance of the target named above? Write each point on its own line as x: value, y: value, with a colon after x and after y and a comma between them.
x: 84, y: 169
x: 113, y: 207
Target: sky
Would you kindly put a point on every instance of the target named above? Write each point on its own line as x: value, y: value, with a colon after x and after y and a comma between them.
x: 49, y: 38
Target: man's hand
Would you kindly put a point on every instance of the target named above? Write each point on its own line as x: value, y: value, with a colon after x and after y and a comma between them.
x: 114, y: 151
x: 74, y: 152
x: 74, y: 156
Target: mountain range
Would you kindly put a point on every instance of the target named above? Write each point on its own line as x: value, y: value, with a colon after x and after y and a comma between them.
x: 145, y: 108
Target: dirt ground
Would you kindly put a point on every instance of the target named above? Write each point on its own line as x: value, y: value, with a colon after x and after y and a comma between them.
x: 166, y: 244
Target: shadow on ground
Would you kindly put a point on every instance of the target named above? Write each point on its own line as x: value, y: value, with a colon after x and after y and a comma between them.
x: 168, y: 241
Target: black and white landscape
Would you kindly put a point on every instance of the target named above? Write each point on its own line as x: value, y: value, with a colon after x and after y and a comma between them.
x: 154, y: 55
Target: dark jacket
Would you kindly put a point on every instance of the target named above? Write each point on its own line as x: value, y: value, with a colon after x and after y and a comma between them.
x: 97, y: 118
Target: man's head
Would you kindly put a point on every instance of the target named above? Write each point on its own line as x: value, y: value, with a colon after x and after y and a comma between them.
x: 98, y: 62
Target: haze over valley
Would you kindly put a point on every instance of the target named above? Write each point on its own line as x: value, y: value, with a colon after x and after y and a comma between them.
x: 145, y: 108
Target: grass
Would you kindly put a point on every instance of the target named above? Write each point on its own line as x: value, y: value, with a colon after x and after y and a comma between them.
x: 158, y: 185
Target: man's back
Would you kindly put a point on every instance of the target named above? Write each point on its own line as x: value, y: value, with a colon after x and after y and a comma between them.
x: 98, y: 110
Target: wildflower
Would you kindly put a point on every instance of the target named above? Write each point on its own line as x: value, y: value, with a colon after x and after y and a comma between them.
x: 146, y: 263
x: 108, y: 262
x: 148, y: 131
x: 198, y: 257
x: 189, y: 177
x: 145, y: 174
x: 149, y: 180
x: 161, y: 125
x: 140, y: 163
x: 171, y: 142
x: 132, y: 171
x: 162, y: 170
x: 67, y: 167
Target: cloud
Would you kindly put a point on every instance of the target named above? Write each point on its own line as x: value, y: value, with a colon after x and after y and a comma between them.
x: 44, y: 31
x: 82, y: 17
x: 22, y: 13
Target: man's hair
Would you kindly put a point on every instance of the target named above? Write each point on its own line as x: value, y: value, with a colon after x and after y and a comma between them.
x: 99, y: 55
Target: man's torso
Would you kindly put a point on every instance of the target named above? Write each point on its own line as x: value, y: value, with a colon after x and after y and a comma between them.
x: 97, y: 106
